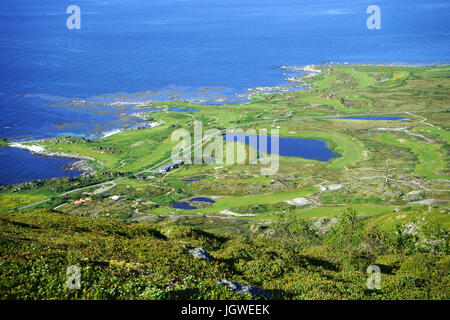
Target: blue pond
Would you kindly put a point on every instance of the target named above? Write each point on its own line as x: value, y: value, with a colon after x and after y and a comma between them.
x: 202, y: 199
x: 288, y: 147
x: 183, y: 109
x: 28, y: 166
x: 188, y: 206
x: 374, y: 118
x: 183, y: 205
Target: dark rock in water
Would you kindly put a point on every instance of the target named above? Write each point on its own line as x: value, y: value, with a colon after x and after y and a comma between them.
x: 240, y: 288
x: 200, y: 253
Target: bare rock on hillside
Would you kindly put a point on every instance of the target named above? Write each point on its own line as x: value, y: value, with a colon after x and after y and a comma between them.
x: 323, y: 225
x: 240, y: 288
x: 199, y: 253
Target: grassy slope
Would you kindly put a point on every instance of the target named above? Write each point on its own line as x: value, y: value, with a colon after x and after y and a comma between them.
x: 11, y: 201
x: 332, y: 103
x: 329, y: 211
x: 137, y: 149
x: 123, y: 261
x: 346, y: 146
x: 436, y: 132
x: 430, y: 156
x: 364, y: 80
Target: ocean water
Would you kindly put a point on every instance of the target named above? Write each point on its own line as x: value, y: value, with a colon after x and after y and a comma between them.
x: 42, y: 168
x: 140, y: 50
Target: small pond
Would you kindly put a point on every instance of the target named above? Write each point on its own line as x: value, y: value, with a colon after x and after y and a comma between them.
x: 202, y: 199
x: 289, y: 147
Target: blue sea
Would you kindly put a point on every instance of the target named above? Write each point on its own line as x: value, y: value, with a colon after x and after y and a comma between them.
x: 55, y: 81
x: 42, y: 168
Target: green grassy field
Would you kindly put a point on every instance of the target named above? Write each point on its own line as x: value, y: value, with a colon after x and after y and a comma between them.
x: 233, y: 202
x: 431, y: 159
x: 350, y: 150
x: 364, y: 80
x: 331, y: 103
x: 444, y: 134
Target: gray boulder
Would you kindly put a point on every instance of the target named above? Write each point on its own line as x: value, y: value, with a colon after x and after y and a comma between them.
x: 240, y: 288
x: 199, y: 253
x: 323, y: 225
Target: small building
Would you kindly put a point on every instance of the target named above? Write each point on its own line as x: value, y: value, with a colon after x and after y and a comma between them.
x: 81, y: 201
x: 115, y: 198
x: 171, y: 166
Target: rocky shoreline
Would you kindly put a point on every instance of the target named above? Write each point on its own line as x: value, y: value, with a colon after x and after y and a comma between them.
x: 294, y: 82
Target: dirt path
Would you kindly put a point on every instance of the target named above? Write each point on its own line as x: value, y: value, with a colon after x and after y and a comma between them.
x: 423, y: 121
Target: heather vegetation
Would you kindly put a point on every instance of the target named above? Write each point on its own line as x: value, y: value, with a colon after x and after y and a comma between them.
x: 128, y: 260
